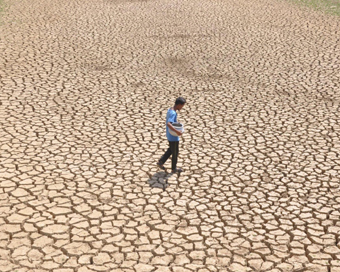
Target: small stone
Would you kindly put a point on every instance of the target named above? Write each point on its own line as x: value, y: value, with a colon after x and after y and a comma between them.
x: 55, y: 229
x: 19, y: 192
x: 144, y: 267
x: 101, y: 258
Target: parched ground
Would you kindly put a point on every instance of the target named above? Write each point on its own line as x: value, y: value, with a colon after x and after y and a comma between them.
x: 84, y: 89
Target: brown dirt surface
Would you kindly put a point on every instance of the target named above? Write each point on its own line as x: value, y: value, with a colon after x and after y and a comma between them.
x: 84, y: 89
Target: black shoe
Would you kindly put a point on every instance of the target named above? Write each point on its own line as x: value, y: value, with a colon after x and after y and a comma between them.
x: 160, y: 165
x: 178, y: 171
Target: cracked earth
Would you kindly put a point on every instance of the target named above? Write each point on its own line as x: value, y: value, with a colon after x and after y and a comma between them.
x: 85, y: 86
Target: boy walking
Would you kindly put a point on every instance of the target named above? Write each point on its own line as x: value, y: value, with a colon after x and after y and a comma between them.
x: 171, y: 117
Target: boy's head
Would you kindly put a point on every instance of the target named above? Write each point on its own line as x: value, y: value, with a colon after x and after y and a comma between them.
x: 179, y: 103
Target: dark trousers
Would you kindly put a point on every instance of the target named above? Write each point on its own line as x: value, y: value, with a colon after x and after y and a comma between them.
x: 172, y: 150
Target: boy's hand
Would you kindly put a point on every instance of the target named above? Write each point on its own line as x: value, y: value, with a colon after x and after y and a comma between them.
x: 179, y: 133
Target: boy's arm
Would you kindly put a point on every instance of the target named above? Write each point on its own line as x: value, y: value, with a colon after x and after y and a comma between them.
x: 170, y: 126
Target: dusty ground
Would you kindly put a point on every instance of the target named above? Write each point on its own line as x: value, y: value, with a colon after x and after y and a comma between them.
x: 85, y: 86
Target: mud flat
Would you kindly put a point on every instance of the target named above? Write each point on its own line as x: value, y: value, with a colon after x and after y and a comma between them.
x: 84, y: 89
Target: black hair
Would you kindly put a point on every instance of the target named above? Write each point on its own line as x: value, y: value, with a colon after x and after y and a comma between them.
x: 180, y: 101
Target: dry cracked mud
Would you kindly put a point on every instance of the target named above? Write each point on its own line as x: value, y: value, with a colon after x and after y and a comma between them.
x: 84, y: 89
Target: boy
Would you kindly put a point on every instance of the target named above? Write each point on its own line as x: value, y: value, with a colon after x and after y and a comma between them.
x: 171, y: 117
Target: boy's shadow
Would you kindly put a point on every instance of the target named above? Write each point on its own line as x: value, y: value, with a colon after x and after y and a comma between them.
x: 160, y: 180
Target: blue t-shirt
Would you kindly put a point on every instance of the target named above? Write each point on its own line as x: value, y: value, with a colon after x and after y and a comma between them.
x: 171, y: 117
